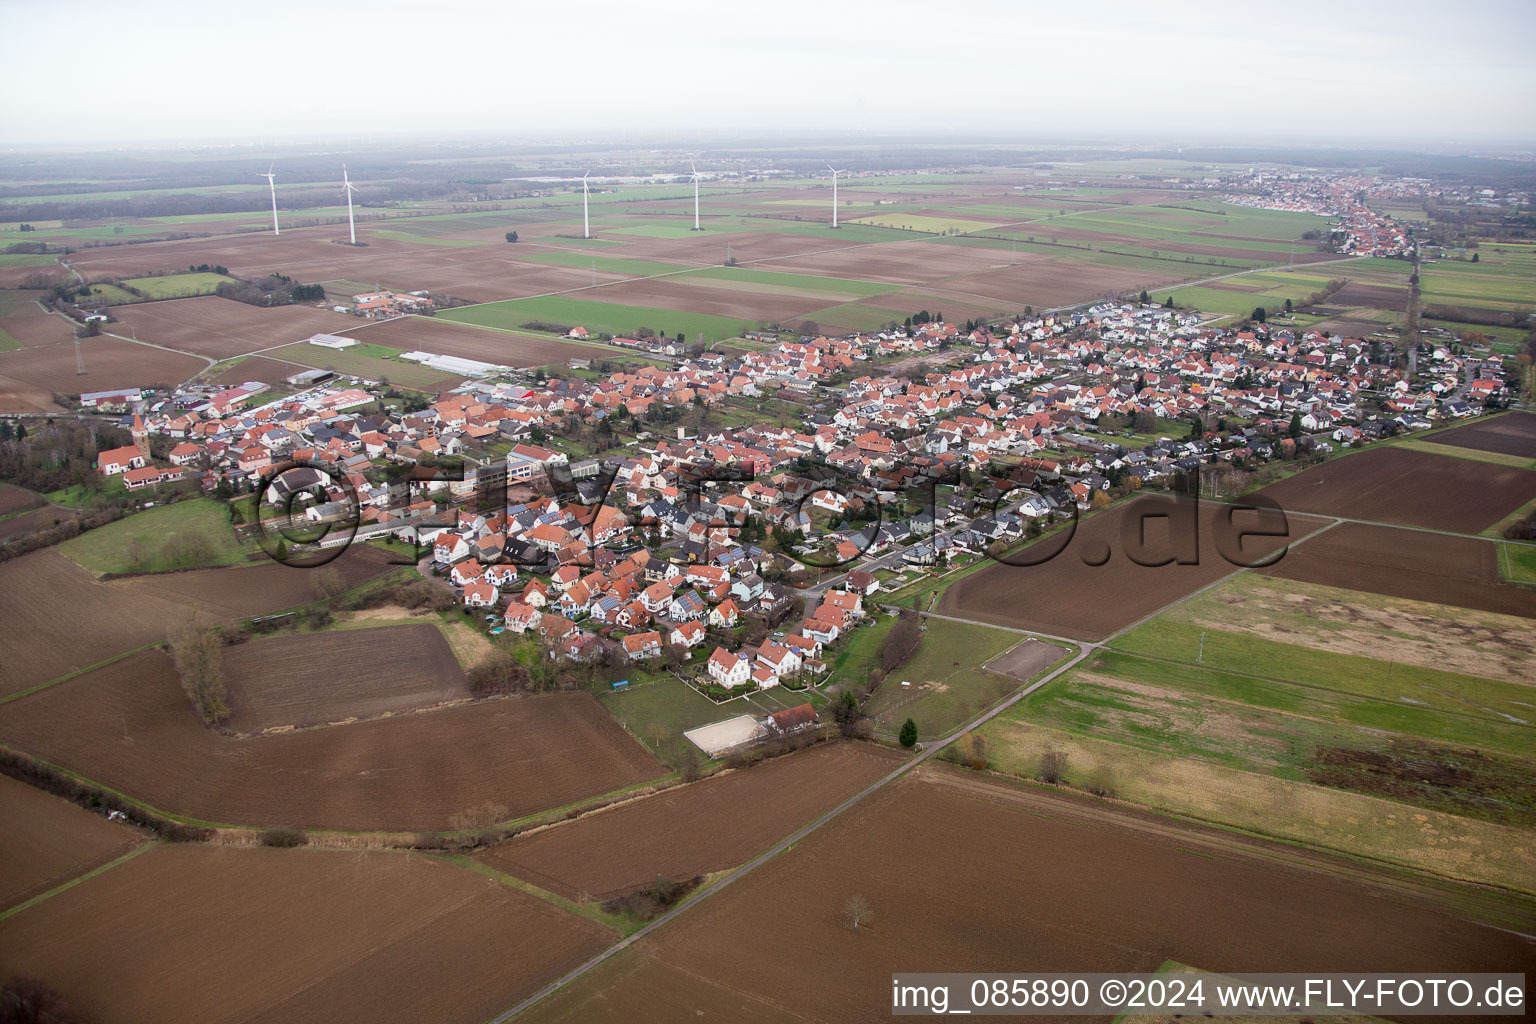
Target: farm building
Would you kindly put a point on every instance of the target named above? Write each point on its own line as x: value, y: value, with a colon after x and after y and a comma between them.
x: 331, y: 341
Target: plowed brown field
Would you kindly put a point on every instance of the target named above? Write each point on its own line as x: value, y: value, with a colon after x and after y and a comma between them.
x: 968, y: 875
x: 1460, y: 571
x: 215, y: 934
x: 1068, y: 597
x: 47, y: 841
x: 691, y: 830
x: 60, y: 619
x: 316, y: 678
x: 221, y: 328
x: 1408, y: 488
x: 131, y: 728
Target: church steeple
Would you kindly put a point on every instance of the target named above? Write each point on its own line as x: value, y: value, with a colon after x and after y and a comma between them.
x: 140, y: 436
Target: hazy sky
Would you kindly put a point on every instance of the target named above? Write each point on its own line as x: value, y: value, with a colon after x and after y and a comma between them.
x: 1234, y: 70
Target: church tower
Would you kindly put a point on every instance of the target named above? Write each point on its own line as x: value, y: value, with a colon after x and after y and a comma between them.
x: 140, y: 436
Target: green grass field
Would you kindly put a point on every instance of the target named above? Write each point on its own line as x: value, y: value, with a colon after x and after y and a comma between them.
x: 186, y: 534
x: 1267, y: 804
x: 374, y: 362
x: 604, y: 317
x: 178, y: 286
x: 1203, y: 712
x: 857, y: 317
x: 1517, y: 562
x: 27, y: 259
x: 113, y: 294
x: 1503, y: 278
x: 949, y: 686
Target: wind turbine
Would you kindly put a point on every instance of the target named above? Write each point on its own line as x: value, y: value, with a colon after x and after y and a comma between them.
x: 272, y: 184
x: 586, y: 224
x: 349, y: 188
x: 695, y: 196
x: 835, y: 173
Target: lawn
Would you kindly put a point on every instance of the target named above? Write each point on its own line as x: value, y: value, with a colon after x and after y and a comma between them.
x: 949, y: 686
x: 597, y: 317
x: 177, y: 286
x: 186, y: 534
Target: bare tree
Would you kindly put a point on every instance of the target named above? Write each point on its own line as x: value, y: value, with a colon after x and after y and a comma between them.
x: 1053, y: 767
x: 198, y: 653
x: 326, y: 582
x: 857, y: 912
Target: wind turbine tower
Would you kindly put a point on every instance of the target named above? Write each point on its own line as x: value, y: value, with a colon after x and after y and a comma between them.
x: 349, y: 188
x: 272, y: 184
x: 586, y: 223
x: 695, y: 196
x: 835, y: 173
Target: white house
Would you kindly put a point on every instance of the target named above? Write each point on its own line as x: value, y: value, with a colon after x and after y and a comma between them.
x: 727, y: 668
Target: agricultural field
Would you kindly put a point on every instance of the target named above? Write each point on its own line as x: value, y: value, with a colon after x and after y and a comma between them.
x: 63, y: 620
x: 597, y: 316
x: 133, y: 730
x: 1502, y: 280
x: 223, y: 328
x: 368, y: 361
x: 1238, y: 705
x: 444, y: 337
x: 1367, y: 289
x: 15, y: 499
x: 1513, y: 434
x: 30, y: 327
x: 1065, y: 595
x: 237, y: 371
x: 225, y: 934
x: 30, y: 378
x: 336, y: 677
x: 1101, y: 889
x: 1460, y: 571
x: 690, y: 830
x: 47, y: 841
x: 1408, y: 488
x: 959, y: 671
x: 195, y: 533
x: 178, y: 286
x: 1298, y: 812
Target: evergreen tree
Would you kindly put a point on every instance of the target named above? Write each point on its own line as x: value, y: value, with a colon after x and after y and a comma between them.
x: 1295, y: 428
x: 908, y: 734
